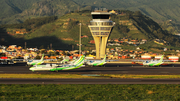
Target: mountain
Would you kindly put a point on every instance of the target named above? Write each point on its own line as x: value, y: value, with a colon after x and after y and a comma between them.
x: 15, y: 11
x: 63, y: 32
x: 157, y: 9
x: 161, y: 11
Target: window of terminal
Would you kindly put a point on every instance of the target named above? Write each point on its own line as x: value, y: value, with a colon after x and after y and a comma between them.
x: 102, y: 16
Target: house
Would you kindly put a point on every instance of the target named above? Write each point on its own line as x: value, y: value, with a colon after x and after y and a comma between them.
x: 173, y: 58
x: 116, y: 40
x: 84, y: 36
x: 144, y: 40
x: 113, y: 12
x: 117, y: 44
x: 134, y: 40
x: 138, y: 48
x: 2, y: 51
x: 110, y: 44
x: 92, y: 41
x: 112, y: 49
x: 21, y: 31
x: 125, y: 40
x: 145, y: 57
x: 107, y: 50
x: 32, y: 49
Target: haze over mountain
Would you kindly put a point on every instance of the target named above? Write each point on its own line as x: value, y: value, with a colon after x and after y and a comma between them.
x: 158, y: 9
x: 15, y: 11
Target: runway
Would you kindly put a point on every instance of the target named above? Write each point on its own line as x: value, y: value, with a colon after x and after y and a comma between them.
x: 113, y: 68
x: 90, y: 81
x: 107, y: 69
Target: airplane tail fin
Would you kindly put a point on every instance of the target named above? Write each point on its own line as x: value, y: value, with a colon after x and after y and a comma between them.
x: 104, y: 58
x: 161, y: 58
x: 80, y: 60
x: 79, y: 63
x: 42, y: 58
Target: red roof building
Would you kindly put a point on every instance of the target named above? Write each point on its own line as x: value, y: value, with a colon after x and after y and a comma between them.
x: 92, y: 41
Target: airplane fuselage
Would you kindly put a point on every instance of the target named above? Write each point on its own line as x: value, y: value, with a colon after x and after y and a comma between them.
x: 46, y: 67
x: 35, y: 62
x: 152, y: 63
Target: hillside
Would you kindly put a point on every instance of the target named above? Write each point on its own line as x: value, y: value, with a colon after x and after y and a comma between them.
x: 157, y: 9
x: 63, y: 33
x: 17, y: 11
x: 13, y: 11
x: 161, y: 11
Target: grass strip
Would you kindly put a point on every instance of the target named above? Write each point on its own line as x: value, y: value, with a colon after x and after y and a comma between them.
x: 141, y: 76
x: 109, y: 92
x: 87, y: 76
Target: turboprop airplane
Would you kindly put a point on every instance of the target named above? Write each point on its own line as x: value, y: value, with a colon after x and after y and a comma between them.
x: 36, y: 62
x: 6, y: 61
x: 77, y: 64
x: 96, y: 62
x: 153, y: 62
x: 45, y: 67
x: 55, y: 67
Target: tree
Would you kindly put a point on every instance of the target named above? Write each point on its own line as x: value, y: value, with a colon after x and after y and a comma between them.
x: 37, y: 57
x: 41, y: 47
x: 57, y: 53
x: 2, y: 54
x: 43, y: 51
x: 137, y: 13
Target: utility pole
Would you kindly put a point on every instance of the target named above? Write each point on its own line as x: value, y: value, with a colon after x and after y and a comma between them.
x: 72, y: 47
x: 80, y: 40
x: 25, y: 45
x: 51, y: 46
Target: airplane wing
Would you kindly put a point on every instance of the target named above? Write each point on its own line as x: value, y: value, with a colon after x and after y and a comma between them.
x: 50, y: 59
x: 167, y: 61
x: 140, y: 60
x: 20, y: 60
x: 111, y: 60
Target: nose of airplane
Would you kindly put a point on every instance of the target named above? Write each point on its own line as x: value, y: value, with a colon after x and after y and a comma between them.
x: 31, y: 68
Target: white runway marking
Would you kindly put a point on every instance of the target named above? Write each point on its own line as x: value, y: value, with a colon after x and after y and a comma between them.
x: 164, y: 72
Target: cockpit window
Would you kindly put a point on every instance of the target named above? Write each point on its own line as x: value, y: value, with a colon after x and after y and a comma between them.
x: 30, y: 60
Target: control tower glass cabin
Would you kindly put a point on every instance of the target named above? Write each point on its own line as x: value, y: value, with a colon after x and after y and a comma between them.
x: 100, y: 28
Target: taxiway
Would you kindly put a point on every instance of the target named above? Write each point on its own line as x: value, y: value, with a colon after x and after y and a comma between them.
x: 114, y: 68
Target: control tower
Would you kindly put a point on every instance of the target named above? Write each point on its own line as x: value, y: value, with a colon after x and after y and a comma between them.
x: 100, y: 28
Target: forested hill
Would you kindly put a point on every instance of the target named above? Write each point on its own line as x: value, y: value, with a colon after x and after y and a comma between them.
x: 63, y: 32
x: 17, y: 11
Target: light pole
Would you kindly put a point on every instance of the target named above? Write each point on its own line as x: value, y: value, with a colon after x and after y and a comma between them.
x: 80, y: 39
x: 25, y: 45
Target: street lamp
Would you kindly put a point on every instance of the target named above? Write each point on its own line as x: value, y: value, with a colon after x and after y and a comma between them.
x: 80, y: 39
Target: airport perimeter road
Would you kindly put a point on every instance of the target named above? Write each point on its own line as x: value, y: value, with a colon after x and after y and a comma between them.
x: 90, y: 81
x: 108, y: 69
